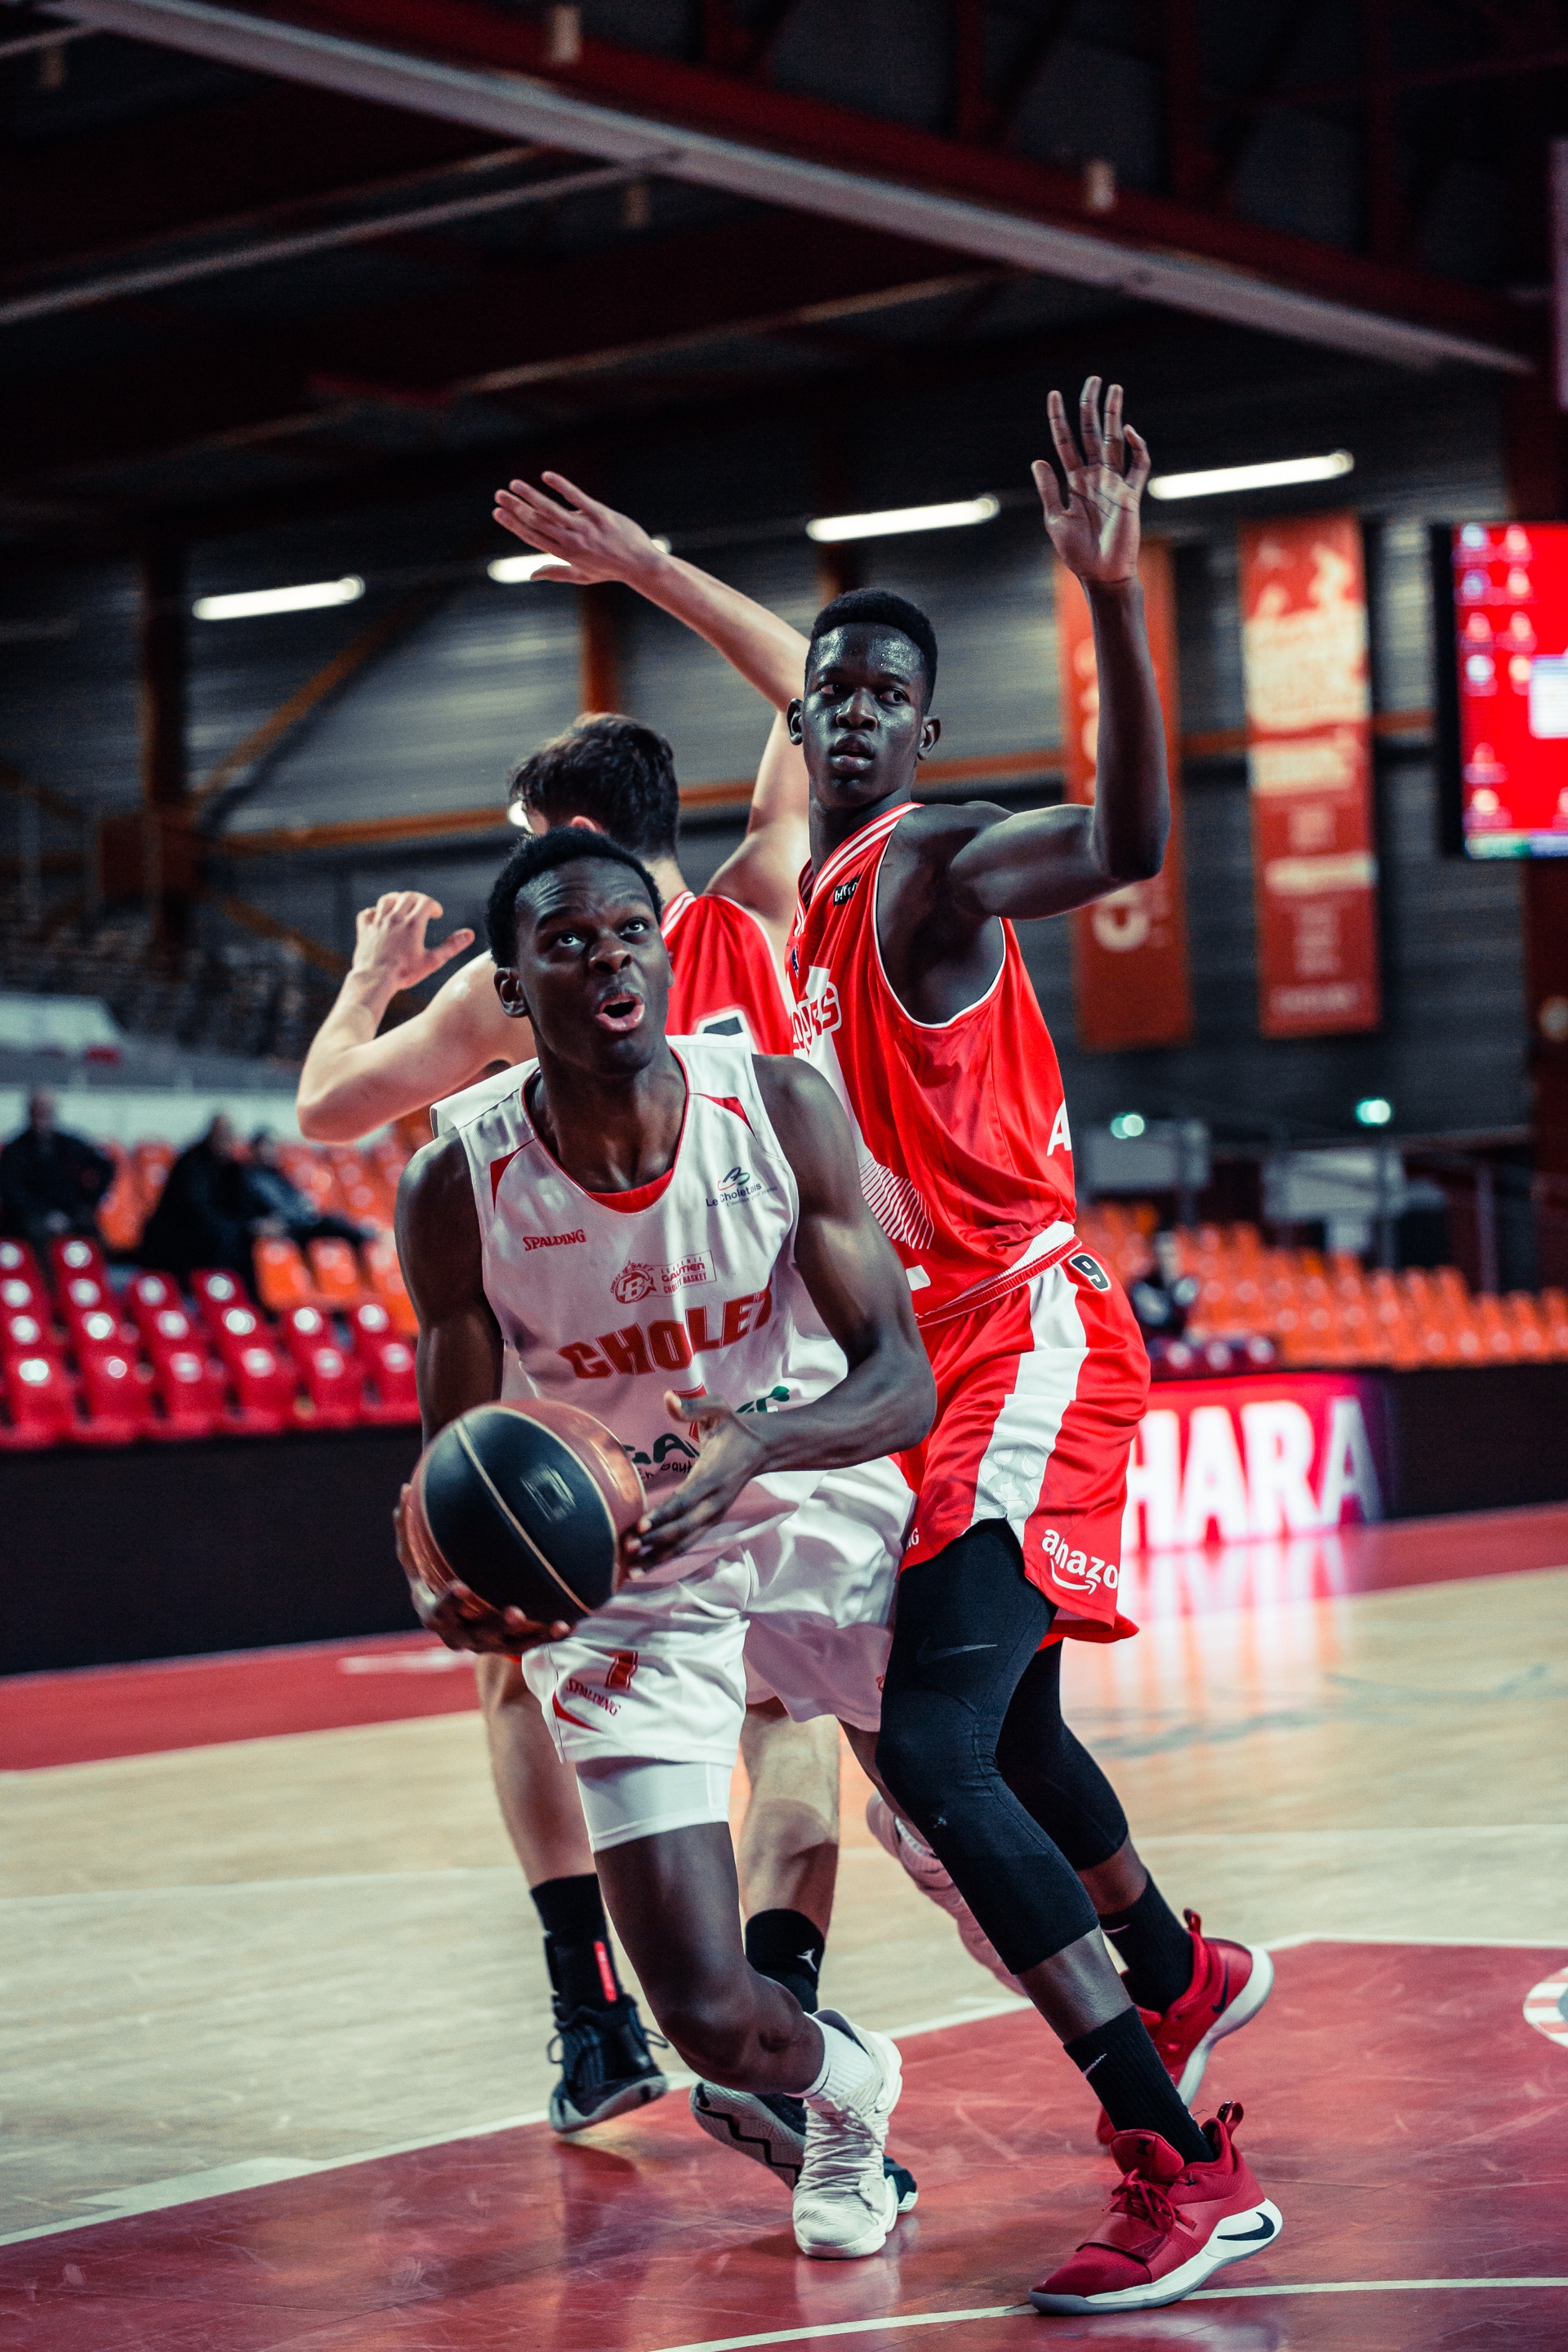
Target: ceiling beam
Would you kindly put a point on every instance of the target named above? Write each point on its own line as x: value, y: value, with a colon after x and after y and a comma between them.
x: 530, y: 323
x: 78, y: 202
x: 470, y: 64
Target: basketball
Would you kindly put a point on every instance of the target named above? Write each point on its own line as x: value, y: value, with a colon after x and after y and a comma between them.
x: 526, y: 1504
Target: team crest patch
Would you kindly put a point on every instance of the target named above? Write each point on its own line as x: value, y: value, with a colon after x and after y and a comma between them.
x: 636, y: 1281
x: 1090, y: 1269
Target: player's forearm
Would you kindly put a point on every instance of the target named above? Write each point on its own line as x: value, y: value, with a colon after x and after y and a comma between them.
x: 769, y: 653
x: 886, y: 1401
x: 1131, y: 797
x: 332, y: 1094
x: 458, y: 1365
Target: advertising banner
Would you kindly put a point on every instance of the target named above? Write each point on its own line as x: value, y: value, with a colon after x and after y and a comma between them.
x: 1226, y: 1461
x: 1130, y: 951
x: 1308, y: 735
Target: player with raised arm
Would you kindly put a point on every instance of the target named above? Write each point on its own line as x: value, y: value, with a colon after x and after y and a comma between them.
x: 914, y: 1002
x: 704, y: 1203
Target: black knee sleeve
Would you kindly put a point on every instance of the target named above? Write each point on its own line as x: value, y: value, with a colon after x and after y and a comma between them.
x: 1053, y: 1774
x: 968, y: 1623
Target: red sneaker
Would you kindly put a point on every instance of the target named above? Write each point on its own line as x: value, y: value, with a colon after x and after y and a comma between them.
x: 1230, y: 1984
x: 1171, y: 2225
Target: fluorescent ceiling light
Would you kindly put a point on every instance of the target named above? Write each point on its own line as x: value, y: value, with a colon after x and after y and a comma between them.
x: 305, y: 599
x: 952, y: 517
x: 1276, y: 476
x: 508, y: 569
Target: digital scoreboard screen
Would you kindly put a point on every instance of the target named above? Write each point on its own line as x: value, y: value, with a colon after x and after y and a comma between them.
x: 1501, y: 601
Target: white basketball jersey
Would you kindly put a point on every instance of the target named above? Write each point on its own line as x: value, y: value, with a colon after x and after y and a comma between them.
x: 607, y: 1300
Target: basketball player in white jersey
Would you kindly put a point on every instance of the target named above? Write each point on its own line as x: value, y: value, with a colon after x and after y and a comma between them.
x: 716, y: 1277
x: 608, y: 774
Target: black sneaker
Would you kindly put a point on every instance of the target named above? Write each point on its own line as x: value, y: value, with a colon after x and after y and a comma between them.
x: 605, y: 2068
x: 770, y: 2127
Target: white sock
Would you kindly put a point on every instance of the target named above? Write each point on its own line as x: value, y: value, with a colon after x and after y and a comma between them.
x: 845, y: 2068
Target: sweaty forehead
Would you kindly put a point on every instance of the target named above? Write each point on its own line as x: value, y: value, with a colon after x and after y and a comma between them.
x: 870, y: 647
x: 590, y: 887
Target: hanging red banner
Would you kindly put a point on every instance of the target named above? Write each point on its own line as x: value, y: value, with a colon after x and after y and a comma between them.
x: 1309, y: 746
x: 1129, y: 949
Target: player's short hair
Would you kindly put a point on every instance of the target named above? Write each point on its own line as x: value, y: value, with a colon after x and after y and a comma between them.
x: 614, y: 769
x: 888, y: 611
x: 541, y: 854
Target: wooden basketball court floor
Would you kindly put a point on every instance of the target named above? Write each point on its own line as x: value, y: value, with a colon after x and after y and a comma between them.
x: 275, y: 2022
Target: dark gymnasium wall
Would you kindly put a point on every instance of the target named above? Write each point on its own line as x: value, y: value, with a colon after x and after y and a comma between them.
x: 487, y: 672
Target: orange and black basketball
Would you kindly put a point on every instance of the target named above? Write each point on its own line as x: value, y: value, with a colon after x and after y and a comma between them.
x: 526, y: 1504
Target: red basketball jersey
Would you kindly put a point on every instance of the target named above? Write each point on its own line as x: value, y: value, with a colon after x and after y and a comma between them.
x: 965, y: 1157
x: 726, y: 980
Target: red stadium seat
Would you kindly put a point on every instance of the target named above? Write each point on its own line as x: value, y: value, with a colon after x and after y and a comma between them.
x: 215, y: 1289
x: 117, y: 1394
x: 28, y: 1333
x: 42, y: 1406
x: 389, y: 1361
x: 149, y: 1296
x: 22, y: 1290
x: 97, y: 1331
x: 191, y: 1391
x: 17, y: 1258
x: 75, y: 1253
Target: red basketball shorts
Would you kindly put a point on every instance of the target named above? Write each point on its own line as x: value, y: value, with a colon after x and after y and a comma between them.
x: 1037, y: 1399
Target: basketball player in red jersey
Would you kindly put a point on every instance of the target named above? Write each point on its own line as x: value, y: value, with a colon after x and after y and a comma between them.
x: 914, y: 1002
x: 609, y: 775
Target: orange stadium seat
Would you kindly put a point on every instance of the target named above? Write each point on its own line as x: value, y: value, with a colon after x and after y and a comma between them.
x: 386, y: 1277
x: 337, y: 1273
x: 282, y: 1277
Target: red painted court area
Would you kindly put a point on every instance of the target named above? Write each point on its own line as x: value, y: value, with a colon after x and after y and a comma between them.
x: 1407, y: 2120
x: 105, y: 1711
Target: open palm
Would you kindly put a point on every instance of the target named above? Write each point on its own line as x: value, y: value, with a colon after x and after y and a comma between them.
x: 1095, y: 529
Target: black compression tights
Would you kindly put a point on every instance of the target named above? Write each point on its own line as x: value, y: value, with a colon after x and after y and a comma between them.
x: 974, y: 1747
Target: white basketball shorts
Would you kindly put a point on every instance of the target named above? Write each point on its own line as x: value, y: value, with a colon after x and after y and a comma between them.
x: 662, y: 1671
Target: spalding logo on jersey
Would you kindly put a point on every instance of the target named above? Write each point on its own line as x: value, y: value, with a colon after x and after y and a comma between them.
x: 1090, y: 1269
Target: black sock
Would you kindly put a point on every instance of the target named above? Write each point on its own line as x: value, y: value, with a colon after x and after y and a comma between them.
x: 577, y: 1942
x: 1123, y: 2066
x: 787, y: 1946
x: 1154, y: 1948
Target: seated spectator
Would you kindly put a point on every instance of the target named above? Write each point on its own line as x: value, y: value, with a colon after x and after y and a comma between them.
x: 204, y: 1216
x: 272, y: 1196
x: 1163, y: 1299
x: 51, y: 1183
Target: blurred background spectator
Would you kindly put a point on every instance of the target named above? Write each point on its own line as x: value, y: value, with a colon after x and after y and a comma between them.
x: 206, y: 1214
x: 271, y: 1195
x: 51, y: 1183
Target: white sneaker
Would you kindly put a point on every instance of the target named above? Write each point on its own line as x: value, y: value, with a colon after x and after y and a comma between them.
x: 909, y: 1850
x: 844, y: 2204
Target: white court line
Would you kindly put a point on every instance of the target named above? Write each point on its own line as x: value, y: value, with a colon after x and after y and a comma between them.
x: 1027, y: 2311
x: 231, y: 2179
x: 263, y: 2173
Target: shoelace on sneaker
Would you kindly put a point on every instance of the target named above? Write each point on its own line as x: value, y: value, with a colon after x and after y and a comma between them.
x: 839, y: 2162
x: 1145, y: 2200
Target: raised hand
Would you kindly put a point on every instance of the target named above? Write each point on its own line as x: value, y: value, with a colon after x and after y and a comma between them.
x: 587, y: 542
x: 1095, y: 530
x: 390, y: 943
